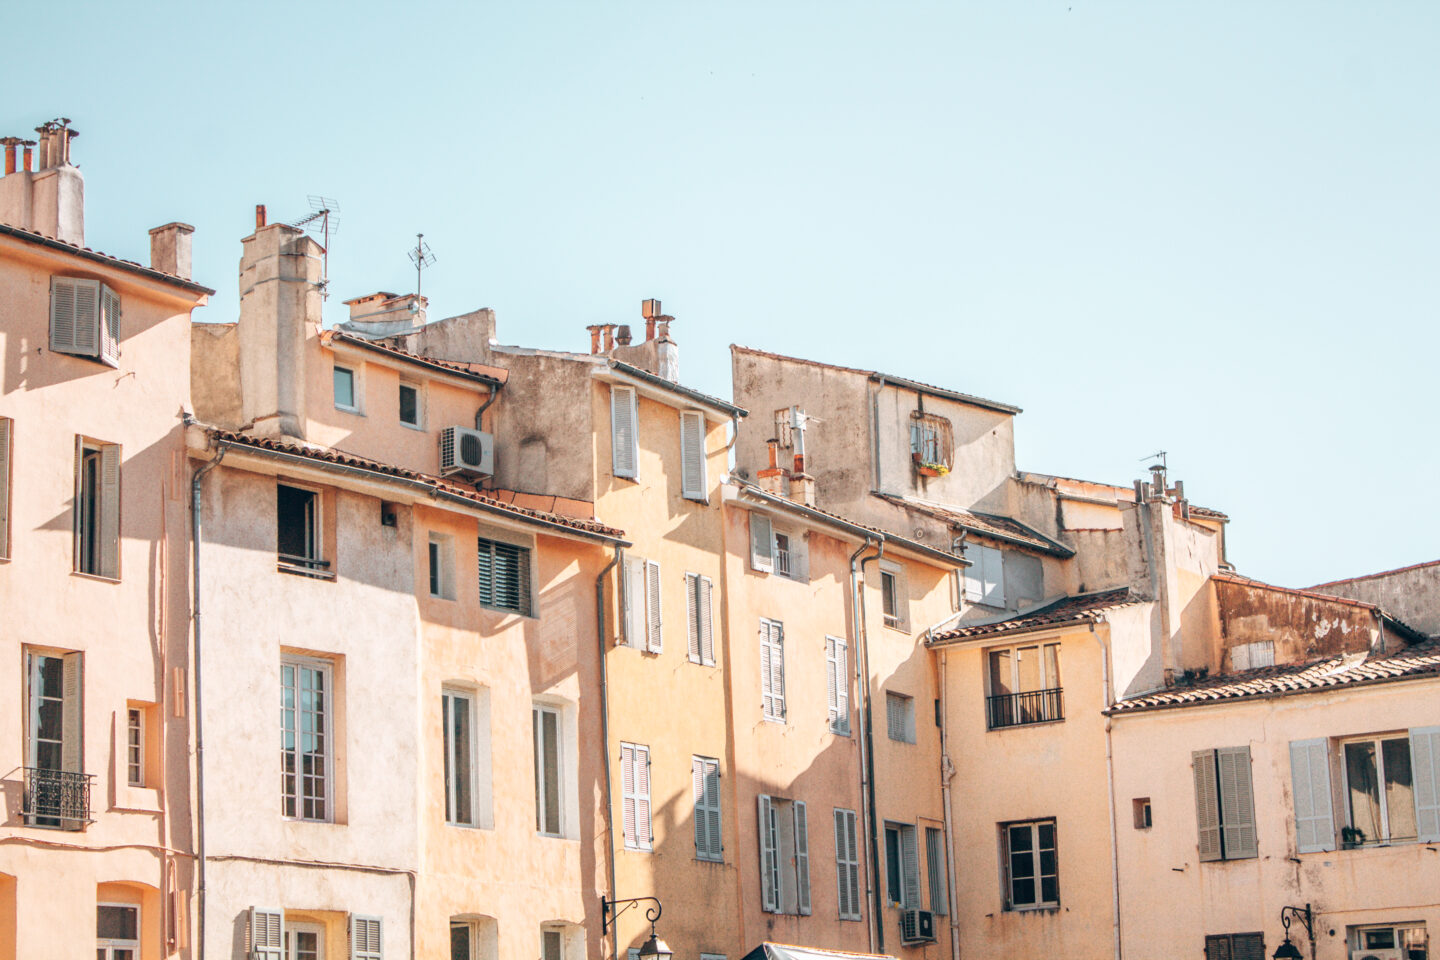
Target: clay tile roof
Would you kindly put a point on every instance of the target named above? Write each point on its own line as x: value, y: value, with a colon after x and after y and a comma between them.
x: 438, y: 484
x: 130, y: 266
x: 1198, y: 511
x: 985, y: 524
x: 1420, y: 660
x: 1081, y: 608
x: 470, y: 371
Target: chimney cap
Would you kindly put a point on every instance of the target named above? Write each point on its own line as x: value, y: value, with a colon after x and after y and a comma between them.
x: 650, y: 309
x: 175, y: 225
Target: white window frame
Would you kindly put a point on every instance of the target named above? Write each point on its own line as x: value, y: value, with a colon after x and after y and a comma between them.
x: 419, y: 390
x: 134, y: 746
x: 315, y: 564
x: 709, y: 824
x: 538, y: 713
x: 291, y: 934
x: 772, y: 670
x: 900, y: 716
x: 72, y: 723
x: 326, y: 669
x: 1347, y: 809
x: 100, y: 522
x: 624, y: 398
x: 700, y: 618
x: 635, y: 796
x: 899, y: 618
x: 784, y: 855
x: 355, y: 405
x: 935, y: 871
x: 1356, y: 939
x: 110, y: 944
x: 454, y: 815
x: 440, y: 566
x: 837, y: 684
x: 1037, y: 876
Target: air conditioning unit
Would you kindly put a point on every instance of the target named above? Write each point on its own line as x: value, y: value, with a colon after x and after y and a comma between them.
x: 1376, y: 955
x: 917, y: 926
x: 471, y: 452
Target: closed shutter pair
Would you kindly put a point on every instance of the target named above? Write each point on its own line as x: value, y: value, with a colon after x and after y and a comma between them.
x: 1224, y: 803
x: 267, y: 936
x: 1314, y: 806
x: 705, y: 774
x: 85, y: 319
x: 699, y: 618
x: 635, y: 795
x: 847, y: 864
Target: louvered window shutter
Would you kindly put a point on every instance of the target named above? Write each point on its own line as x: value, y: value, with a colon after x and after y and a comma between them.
x: 627, y: 793
x: 707, y: 623
x: 1237, y: 803
x: 762, y: 543
x: 75, y: 307
x: 692, y: 454
x: 895, y: 716
x: 767, y: 695
x: 852, y: 834
x: 702, y: 824
x: 840, y: 717
x: 935, y: 870
x: 643, y: 835
x: 107, y: 525
x: 712, y: 811
x: 692, y: 616
x: 1310, y: 779
x: 842, y: 865
x: 802, y: 858
x: 1207, y: 804
x: 267, y: 934
x: 1247, y: 946
x: 634, y: 596
x: 910, y: 867
x: 72, y: 721
x: 624, y: 435
x: 366, y: 938
x: 769, y: 858
x: 832, y: 682
x: 772, y: 666
x: 705, y: 774
x: 655, y: 637
x: 108, y: 326
x: 4, y: 487
x: 1217, y: 948
x: 1425, y: 769
x: 974, y: 581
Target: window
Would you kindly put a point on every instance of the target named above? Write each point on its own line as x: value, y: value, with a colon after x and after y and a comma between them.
x: 776, y: 551
x: 772, y: 670
x: 549, y: 761
x: 117, y: 931
x: 902, y: 865
x: 5, y: 430
x: 1379, y: 791
x: 57, y: 792
x: 692, y: 454
x: 782, y: 554
x: 1407, y: 941
x: 1235, y: 946
x: 1390, y: 787
x: 624, y: 432
x: 643, y: 626
x: 1249, y: 656
x: 847, y: 864
x: 894, y: 602
x: 410, y: 405
x: 935, y: 870
x: 457, y: 710
x: 345, y: 396
x: 562, y: 941
x: 931, y: 444
x: 635, y: 791
x: 306, y: 941
x: 837, y: 685
x: 1025, y: 685
x: 1032, y: 878
x: 97, y: 508
x: 85, y: 319
x: 1224, y: 803
x: 900, y: 717
x: 298, y: 538
x: 700, y: 619
x: 306, y: 749
x: 705, y: 774
x: 784, y: 856
x: 762, y: 543
x: 1140, y: 807
x: 985, y: 577
x: 366, y: 939
x: 504, y: 576
x: 441, y: 566
x: 135, y: 746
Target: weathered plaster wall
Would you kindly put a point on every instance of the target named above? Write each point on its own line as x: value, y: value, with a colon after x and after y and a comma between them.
x: 1411, y: 594
x: 547, y: 428
x: 215, y: 373
x: 1301, y: 627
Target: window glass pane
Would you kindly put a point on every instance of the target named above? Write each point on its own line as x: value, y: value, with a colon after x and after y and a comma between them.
x: 1052, y: 666
x: 87, y: 512
x: 887, y: 594
x: 1399, y: 790
x: 117, y: 923
x: 892, y: 862
x: 434, y: 568
x: 1380, y: 939
x: 344, y: 387
x: 1020, y: 838
x: 1049, y: 890
x: 1000, y: 678
x: 460, y: 941
x: 550, y: 741
x: 551, y: 945
x: 1029, y: 664
x: 1360, y: 778
x: 295, y: 516
x: 1023, y: 891
x: 409, y: 405
x: 460, y: 736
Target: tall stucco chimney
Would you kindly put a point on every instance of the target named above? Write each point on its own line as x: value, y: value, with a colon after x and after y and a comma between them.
x: 667, y: 352
x: 170, y: 249
x: 51, y: 199
x: 280, y: 270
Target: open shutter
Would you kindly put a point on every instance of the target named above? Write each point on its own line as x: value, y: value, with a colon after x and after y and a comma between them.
x: 974, y: 579
x: 777, y: 668
x: 1425, y: 769
x: 712, y: 809
x: 692, y: 454
x: 707, y: 623
x: 627, y: 793
x: 267, y: 934
x: 108, y: 522
x: 1237, y: 803
x: 702, y: 822
x: 769, y: 865
x: 72, y: 722
x: 802, y: 858
x: 624, y: 437
x: 832, y: 682
x: 642, y: 797
x: 4, y: 486
x: 692, y: 615
x: 762, y: 543
x: 840, y: 708
x: 842, y: 864
x: 993, y: 577
x: 910, y: 868
x: 634, y: 597
x: 767, y: 675
x: 1310, y: 780
x: 654, y: 638
x: 935, y: 871
x: 75, y: 316
x: 108, y: 326
x: 853, y: 837
x: 366, y: 938
x: 1207, y: 804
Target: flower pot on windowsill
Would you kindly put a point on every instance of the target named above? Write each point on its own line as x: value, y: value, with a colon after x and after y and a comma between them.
x: 931, y: 469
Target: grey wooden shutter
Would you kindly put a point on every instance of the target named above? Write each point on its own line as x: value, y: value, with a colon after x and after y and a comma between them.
x: 654, y: 635
x: 702, y: 822
x: 935, y: 870
x: 1207, y: 804
x: 992, y: 576
x: 108, y: 326
x: 267, y: 934
x: 643, y: 834
x: 634, y: 599
x: 1310, y: 780
x: 842, y: 865
x: 4, y: 487
x: 852, y: 836
x: 1217, y: 947
x: 837, y: 685
x: 692, y: 615
x: 366, y: 938
x: 772, y: 669
x: 1425, y: 771
x: 802, y: 858
x: 692, y: 454
x: 624, y: 433
x: 769, y: 857
x: 107, y: 524
x: 75, y: 316
x: 1247, y: 946
x: 712, y: 809
x: 762, y: 543
x: 974, y: 576
x: 909, y: 867
x: 1237, y: 803
x: 72, y: 721
x: 707, y: 623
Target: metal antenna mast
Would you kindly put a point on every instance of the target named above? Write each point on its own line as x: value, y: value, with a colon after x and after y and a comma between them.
x: 322, y: 223
x: 422, y: 258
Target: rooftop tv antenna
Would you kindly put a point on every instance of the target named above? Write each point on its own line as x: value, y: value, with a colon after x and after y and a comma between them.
x: 422, y: 258
x: 1157, y: 455
x: 322, y: 223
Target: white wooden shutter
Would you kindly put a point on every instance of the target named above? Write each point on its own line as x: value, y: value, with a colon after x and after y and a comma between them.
x: 974, y: 582
x: 4, y: 487
x: 1310, y: 779
x: 910, y: 868
x: 837, y: 684
x: 769, y: 857
x: 108, y: 326
x: 767, y: 698
x: 72, y: 721
x: 366, y: 938
x: 842, y: 864
x: 654, y: 636
x: 1237, y: 803
x: 692, y: 616
x: 624, y: 432
x: 772, y: 669
x: 643, y: 835
x: 692, y: 454
x: 802, y: 858
x: 993, y: 577
x: 1207, y: 804
x: 1425, y: 769
x: 267, y: 934
x: 707, y: 623
x: 75, y: 316
x: 107, y: 524
x: 634, y: 596
x: 627, y: 794
x: 762, y: 543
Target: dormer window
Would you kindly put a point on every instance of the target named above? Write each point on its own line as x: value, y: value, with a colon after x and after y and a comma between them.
x: 932, y: 446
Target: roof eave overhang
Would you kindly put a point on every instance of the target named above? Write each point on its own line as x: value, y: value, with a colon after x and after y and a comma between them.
x: 664, y: 391
x: 1087, y: 623
x: 198, y: 292
x: 943, y: 394
x: 346, y: 344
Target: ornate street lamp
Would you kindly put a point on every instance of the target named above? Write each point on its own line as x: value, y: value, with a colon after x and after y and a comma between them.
x: 1288, y: 950
x: 652, y: 949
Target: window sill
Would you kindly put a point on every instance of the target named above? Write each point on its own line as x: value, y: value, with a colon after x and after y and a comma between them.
x: 1038, y: 908
x: 507, y: 611
x: 840, y: 732
x: 436, y: 596
x: 353, y: 411
x: 778, y: 721
x: 94, y: 576
x: 638, y: 849
x: 309, y: 572
x: 129, y: 799
x: 702, y: 663
x: 413, y: 426
x: 713, y: 861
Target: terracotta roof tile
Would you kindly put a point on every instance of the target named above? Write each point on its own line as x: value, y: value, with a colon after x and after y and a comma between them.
x: 128, y: 265
x: 984, y: 524
x: 1081, y: 608
x: 1420, y: 660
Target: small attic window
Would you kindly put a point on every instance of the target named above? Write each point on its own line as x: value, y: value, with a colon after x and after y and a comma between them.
x: 932, y: 444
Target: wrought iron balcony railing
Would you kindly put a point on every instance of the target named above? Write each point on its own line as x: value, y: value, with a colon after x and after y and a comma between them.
x: 57, y: 798
x: 1034, y: 706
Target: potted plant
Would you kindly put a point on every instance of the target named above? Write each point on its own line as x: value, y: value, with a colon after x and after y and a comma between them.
x: 1351, y: 837
x: 927, y: 469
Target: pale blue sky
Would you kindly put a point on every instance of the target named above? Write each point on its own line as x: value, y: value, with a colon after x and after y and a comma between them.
x: 1208, y: 228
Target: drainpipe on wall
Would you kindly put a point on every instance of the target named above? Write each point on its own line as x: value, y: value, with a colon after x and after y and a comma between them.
x: 604, y: 729
x: 947, y: 773
x: 494, y: 395
x: 875, y: 430
x: 857, y: 621
x: 867, y: 746
x: 1107, y: 702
